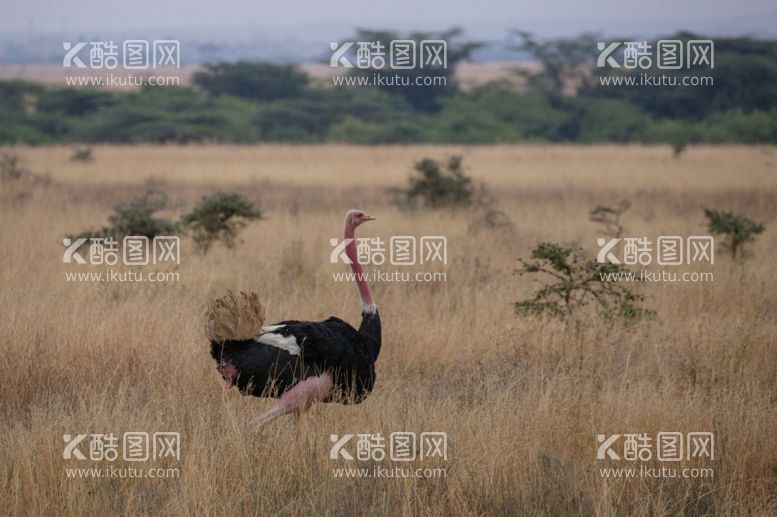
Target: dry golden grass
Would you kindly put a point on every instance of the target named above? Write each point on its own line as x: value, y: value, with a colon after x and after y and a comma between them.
x: 521, y: 400
x: 468, y: 75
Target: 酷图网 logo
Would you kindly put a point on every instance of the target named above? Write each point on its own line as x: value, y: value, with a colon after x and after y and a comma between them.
x: 136, y: 250
x: 670, y: 250
x: 403, y: 250
x: 400, y: 54
x: 135, y: 54
x: 400, y: 446
x: 134, y: 446
x: 665, y: 54
x: 663, y: 446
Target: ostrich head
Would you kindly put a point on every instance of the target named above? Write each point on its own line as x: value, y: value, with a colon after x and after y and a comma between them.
x: 356, y: 217
x: 353, y: 219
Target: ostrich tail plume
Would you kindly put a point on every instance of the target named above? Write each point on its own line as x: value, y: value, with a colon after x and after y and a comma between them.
x: 235, y: 318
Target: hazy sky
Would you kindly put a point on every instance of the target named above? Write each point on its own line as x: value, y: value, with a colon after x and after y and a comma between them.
x: 105, y: 15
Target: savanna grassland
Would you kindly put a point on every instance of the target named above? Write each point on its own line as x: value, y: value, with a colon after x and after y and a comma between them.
x: 521, y: 399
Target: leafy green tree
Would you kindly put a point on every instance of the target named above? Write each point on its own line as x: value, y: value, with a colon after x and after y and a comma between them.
x: 255, y: 81
x: 136, y: 216
x: 219, y: 217
x: 573, y: 283
x: 301, y: 120
x: 14, y: 95
x: 74, y: 102
x: 737, y: 230
x: 566, y: 62
x: 422, y: 97
x: 437, y: 184
x: 744, y: 78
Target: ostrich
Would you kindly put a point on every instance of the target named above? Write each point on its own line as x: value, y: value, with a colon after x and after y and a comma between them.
x: 297, y: 362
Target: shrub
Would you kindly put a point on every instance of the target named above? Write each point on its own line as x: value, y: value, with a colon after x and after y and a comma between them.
x: 255, y: 81
x: 11, y: 168
x: 82, y: 154
x: 438, y: 184
x: 136, y: 217
x: 678, y: 147
x: 610, y: 217
x: 491, y: 219
x: 737, y: 230
x: 574, y: 282
x: 219, y: 217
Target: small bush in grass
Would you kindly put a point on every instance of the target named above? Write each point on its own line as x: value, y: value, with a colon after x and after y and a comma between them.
x: 610, y: 217
x: 679, y: 145
x: 11, y: 168
x: 136, y: 217
x: 487, y: 217
x: 490, y: 218
x: 219, y: 217
x: 82, y: 154
x: 573, y: 282
x: 737, y: 230
x: 438, y: 184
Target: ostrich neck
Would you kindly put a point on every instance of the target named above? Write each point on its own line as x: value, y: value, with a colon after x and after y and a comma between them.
x: 361, y: 282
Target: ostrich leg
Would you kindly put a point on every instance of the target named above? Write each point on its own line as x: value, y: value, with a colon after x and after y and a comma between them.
x: 297, y: 399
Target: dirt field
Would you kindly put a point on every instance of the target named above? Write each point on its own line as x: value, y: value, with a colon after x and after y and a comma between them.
x: 521, y: 400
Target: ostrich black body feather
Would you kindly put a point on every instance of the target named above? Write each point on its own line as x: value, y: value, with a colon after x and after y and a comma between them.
x: 333, y: 346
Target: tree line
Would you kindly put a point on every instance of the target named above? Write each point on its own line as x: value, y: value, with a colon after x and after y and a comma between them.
x: 564, y: 100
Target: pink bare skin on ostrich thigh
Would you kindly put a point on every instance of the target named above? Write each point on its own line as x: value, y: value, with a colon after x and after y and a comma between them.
x: 229, y: 372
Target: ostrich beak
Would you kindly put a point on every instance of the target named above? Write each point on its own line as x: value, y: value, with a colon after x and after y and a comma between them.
x: 368, y: 217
